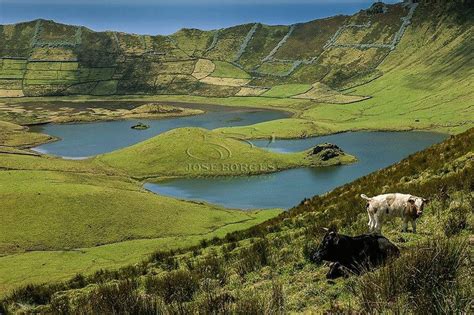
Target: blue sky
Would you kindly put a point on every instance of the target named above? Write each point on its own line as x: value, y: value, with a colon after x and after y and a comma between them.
x: 166, y: 17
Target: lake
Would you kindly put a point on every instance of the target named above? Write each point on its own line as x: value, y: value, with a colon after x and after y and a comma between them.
x: 81, y: 140
x: 374, y: 150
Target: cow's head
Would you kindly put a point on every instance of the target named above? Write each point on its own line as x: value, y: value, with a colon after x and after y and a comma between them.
x: 328, y: 248
x: 417, y: 204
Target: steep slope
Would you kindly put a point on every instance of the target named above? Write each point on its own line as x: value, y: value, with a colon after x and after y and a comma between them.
x: 46, y: 58
x: 265, y: 269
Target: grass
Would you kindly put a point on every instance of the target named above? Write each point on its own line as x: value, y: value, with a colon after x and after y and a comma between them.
x: 54, y: 205
x: 323, y: 94
x: 287, y: 128
x: 228, y: 70
x: 431, y: 279
x: 12, y: 135
x: 263, y: 41
x: 195, y: 152
x: 63, y: 213
x: 429, y: 102
x: 275, y: 67
x: 287, y: 90
x: 264, y: 269
x: 50, y: 266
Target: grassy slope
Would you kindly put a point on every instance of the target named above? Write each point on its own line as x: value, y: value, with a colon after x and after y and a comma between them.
x: 286, y: 128
x: 37, y: 267
x: 55, y: 206
x: 226, y: 70
x: 265, y: 267
x: 12, y: 135
x: 434, y: 77
x: 287, y: 90
x: 192, y: 152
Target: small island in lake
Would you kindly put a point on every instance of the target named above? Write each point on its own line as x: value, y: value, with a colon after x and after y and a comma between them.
x: 140, y: 126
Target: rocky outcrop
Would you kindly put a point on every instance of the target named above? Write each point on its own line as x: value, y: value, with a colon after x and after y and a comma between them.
x: 326, y: 151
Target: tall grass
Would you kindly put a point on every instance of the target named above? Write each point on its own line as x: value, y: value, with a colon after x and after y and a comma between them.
x: 245, y: 274
x: 431, y: 278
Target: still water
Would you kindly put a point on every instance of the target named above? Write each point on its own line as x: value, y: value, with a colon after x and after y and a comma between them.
x: 374, y: 150
x: 81, y: 140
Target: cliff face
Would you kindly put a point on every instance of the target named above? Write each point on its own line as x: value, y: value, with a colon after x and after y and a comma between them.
x: 47, y: 58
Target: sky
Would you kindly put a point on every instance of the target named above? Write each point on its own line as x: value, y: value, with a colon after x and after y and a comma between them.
x: 166, y: 17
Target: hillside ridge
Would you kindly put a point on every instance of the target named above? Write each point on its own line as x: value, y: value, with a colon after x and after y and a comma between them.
x: 42, y: 57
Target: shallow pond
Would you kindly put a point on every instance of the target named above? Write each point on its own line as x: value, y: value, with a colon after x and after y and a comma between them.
x: 374, y: 150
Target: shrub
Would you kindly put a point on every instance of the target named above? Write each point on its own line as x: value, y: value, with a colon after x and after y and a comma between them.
x: 457, y: 219
x: 33, y: 294
x: 118, y: 297
x: 426, y: 280
x: 164, y: 259
x: 253, y: 257
x: 249, y: 303
x: 210, y: 267
x: 276, y: 303
x: 214, y: 301
x: 174, y: 286
x: 455, y: 223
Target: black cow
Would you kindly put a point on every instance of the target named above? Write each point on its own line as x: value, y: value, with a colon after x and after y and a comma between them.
x: 353, y: 255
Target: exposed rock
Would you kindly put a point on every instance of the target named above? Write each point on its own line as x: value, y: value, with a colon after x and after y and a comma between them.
x: 326, y: 151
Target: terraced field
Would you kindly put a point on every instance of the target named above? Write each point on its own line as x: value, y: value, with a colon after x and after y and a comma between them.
x: 46, y: 58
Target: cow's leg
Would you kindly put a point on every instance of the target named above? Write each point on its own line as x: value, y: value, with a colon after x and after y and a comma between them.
x: 405, y: 225
x: 335, y: 271
x: 371, y: 221
x: 378, y: 224
x: 413, y: 224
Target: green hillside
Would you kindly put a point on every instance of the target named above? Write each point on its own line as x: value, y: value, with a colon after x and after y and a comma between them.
x: 265, y: 269
x: 42, y: 57
x: 349, y: 70
x: 53, y: 206
x: 85, y: 237
x: 195, y: 152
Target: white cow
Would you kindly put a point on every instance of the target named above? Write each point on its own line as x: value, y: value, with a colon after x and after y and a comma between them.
x: 381, y: 207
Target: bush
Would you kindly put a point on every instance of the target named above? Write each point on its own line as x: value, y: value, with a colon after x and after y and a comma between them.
x: 249, y: 303
x: 253, y: 257
x: 276, y: 304
x: 457, y: 219
x: 210, y: 267
x: 32, y: 294
x: 119, y: 297
x: 214, y: 301
x: 428, y: 279
x: 174, y: 286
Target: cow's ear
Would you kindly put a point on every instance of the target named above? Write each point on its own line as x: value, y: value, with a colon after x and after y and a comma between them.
x: 426, y: 201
